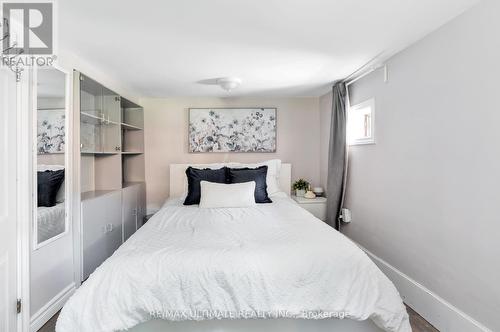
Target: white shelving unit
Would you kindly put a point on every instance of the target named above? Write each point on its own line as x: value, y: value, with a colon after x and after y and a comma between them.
x: 113, y: 189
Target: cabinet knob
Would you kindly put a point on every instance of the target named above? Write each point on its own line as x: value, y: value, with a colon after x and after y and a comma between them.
x: 107, y: 228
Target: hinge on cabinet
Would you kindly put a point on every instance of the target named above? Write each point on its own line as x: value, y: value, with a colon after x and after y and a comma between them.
x: 117, y: 98
x: 18, y: 306
x: 81, y: 77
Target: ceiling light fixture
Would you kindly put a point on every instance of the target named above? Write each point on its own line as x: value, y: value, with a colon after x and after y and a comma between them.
x: 229, y: 83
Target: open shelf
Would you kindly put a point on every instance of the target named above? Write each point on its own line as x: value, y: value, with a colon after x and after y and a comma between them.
x: 133, y: 168
x: 101, y: 172
x: 132, y: 141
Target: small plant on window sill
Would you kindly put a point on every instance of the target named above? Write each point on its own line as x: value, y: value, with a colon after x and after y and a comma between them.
x: 300, y: 186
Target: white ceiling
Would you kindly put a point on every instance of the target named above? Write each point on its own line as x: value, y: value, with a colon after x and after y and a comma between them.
x: 277, y: 47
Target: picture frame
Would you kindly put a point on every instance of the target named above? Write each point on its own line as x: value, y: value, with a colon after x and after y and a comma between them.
x: 232, y: 130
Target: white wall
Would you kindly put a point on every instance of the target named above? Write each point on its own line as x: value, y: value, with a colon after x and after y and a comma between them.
x: 166, y: 125
x: 426, y: 197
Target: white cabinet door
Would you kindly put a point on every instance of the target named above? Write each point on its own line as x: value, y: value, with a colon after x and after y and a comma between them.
x: 101, y: 230
x: 113, y: 215
x: 141, y: 204
x: 129, y: 210
x: 8, y: 202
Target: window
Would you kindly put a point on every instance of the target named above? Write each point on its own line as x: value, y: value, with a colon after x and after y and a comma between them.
x: 361, y: 123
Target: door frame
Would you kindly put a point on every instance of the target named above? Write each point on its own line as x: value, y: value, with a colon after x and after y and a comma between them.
x: 24, y: 193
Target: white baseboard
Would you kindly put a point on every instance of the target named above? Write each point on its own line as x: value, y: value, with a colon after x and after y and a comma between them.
x: 51, y: 308
x: 436, y: 310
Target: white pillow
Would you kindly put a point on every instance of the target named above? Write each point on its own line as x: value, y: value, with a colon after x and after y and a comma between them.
x: 60, y: 193
x: 221, y: 195
x: 273, y: 173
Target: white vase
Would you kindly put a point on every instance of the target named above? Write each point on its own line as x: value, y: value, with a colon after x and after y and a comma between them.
x: 309, y: 194
x: 300, y: 192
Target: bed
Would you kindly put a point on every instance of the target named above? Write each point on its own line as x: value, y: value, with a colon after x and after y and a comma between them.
x: 272, y: 267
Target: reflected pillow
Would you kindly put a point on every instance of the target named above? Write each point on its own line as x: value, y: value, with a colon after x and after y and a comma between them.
x: 49, y: 183
x: 61, y: 195
x: 258, y: 175
x: 195, y: 175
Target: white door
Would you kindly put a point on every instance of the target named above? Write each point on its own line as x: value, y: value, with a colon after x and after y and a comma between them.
x: 8, y: 206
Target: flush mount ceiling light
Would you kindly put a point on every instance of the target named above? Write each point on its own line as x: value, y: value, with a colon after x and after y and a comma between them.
x: 229, y: 83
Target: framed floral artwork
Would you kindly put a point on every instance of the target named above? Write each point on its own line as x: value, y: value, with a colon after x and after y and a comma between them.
x: 50, y: 131
x: 232, y: 129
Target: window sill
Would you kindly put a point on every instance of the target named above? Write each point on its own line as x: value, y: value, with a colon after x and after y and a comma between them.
x: 364, y: 142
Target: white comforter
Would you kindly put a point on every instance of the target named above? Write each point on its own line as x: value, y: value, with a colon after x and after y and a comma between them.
x: 264, y: 261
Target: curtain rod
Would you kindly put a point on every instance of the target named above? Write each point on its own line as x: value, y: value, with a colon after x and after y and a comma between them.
x: 366, y: 73
x: 365, y: 70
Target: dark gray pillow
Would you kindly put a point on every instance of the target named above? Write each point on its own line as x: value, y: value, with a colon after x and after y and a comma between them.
x: 195, y: 175
x: 240, y: 175
x: 49, y: 183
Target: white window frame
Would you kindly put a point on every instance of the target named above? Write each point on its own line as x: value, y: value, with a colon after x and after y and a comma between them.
x: 367, y: 103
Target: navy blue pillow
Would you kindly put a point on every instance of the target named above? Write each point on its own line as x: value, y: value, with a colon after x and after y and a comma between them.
x: 48, y: 184
x: 195, y: 175
x: 240, y: 175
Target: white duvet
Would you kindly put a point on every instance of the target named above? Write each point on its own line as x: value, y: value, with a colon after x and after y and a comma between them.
x: 271, y: 260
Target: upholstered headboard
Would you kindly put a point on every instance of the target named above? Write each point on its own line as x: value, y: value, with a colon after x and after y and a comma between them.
x: 178, y: 180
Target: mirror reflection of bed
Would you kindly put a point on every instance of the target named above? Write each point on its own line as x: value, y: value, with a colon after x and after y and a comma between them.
x: 51, y: 116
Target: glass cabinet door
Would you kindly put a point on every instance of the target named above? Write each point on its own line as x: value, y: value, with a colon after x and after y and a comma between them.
x: 100, y: 118
x: 111, y: 106
x: 111, y: 126
x: 111, y: 138
x: 91, y: 115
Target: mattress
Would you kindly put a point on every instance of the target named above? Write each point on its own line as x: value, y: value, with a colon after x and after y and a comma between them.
x: 268, y: 261
x: 50, y: 221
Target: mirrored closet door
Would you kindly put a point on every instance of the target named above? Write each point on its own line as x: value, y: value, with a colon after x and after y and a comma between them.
x: 51, y: 259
